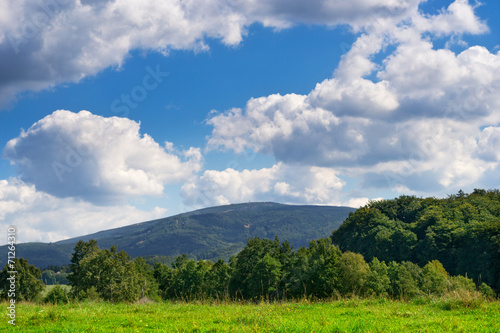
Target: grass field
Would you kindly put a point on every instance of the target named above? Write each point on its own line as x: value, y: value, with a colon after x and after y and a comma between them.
x: 337, y: 316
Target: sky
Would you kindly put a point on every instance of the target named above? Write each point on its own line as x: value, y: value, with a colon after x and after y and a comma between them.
x: 119, y: 112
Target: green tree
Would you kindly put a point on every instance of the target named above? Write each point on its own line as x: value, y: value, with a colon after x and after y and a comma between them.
x: 434, y: 278
x: 486, y: 291
x: 404, y: 279
x: 265, y: 277
x: 188, y: 279
x: 461, y: 284
x: 353, y: 273
x: 461, y: 232
x: 217, y: 280
x: 242, y: 282
x: 377, y: 281
x: 49, y: 277
x: 299, y: 274
x: 318, y: 273
x: 78, y: 276
x: 145, y: 273
x: 113, y: 274
x: 164, y: 277
x: 27, y: 281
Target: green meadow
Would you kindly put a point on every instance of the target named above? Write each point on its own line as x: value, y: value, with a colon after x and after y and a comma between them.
x: 421, y: 315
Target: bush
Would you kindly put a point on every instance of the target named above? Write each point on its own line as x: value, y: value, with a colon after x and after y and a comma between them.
x: 464, y: 299
x: 461, y: 284
x: 90, y: 294
x: 57, y: 295
x: 486, y: 291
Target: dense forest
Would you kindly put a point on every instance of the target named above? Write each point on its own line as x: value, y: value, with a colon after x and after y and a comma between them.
x: 461, y: 231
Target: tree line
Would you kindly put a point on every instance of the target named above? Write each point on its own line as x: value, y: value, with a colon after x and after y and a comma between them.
x: 272, y: 270
x: 264, y: 269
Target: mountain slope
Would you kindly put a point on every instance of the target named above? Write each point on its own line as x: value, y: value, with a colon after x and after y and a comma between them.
x: 210, y: 233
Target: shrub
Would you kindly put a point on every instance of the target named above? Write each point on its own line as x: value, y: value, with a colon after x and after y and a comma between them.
x: 461, y: 284
x: 90, y: 294
x: 486, y: 291
x: 464, y: 299
x: 57, y: 295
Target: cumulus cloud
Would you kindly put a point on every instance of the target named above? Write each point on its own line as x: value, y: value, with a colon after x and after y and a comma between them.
x: 446, y: 157
x: 488, y: 144
x: 458, y: 18
x: 444, y: 84
x: 421, y: 118
x: 40, y: 217
x: 34, y: 34
x: 281, y: 182
x: 97, y: 159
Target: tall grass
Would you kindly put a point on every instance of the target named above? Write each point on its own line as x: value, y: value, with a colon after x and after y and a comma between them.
x: 451, y: 313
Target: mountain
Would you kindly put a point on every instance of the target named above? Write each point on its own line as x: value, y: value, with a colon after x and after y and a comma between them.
x: 210, y: 233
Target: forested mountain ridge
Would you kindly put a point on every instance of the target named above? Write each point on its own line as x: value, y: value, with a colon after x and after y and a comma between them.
x: 461, y: 231
x: 211, y: 233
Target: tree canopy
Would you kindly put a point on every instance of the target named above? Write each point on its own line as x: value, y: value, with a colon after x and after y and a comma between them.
x: 270, y: 269
x: 28, y: 285
x: 114, y: 275
x: 462, y: 232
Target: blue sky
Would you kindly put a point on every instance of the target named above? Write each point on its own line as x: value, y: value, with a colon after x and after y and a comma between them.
x: 189, y: 106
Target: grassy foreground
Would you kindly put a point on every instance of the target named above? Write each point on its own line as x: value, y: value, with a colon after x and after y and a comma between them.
x: 337, y: 316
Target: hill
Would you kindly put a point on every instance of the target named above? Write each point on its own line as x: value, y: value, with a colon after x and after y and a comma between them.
x: 461, y: 231
x: 210, y: 233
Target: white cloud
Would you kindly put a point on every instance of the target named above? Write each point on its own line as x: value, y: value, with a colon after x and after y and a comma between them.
x: 40, y: 217
x: 444, y: 84
x: 489, y: 143
x: 458, y: 18
x: 353, y: 98
x: 445, y: 157
x: 34, y: 34
x: 358, y: 202
x: 282, y: 183
x: 98, y: 159
x: 413, y: 120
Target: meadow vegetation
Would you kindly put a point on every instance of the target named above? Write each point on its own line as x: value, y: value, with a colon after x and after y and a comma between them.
x: 346, y: 315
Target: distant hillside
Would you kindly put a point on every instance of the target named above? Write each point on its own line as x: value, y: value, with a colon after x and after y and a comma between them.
x: 210, y: 233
